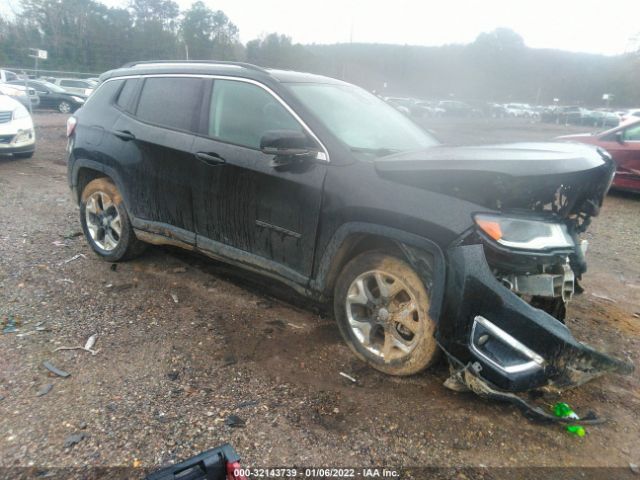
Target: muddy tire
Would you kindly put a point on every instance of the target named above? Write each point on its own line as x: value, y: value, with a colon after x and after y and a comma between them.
x: 382, y: 310
x: 106, y: 224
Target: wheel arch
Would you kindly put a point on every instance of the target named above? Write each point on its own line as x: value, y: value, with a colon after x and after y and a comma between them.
x: 84, y: 171
x: 352, y: 239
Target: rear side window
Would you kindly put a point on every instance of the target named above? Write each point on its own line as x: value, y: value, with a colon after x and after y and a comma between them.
x: 102, y: 97
x: 171, y: 102
x: 127, y: 93
x: 241, y: 113
x: 74, y: 83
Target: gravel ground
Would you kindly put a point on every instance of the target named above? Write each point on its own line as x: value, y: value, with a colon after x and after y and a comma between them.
x: 168, y: 374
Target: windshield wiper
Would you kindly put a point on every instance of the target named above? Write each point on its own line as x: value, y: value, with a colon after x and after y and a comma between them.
x: 378, y: 152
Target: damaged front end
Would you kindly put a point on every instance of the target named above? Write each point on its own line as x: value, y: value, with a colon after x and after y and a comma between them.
x: 510, y: 276
x: 510, y: 279
x: 509, y: 344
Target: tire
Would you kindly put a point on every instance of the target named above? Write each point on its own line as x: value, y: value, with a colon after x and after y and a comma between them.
x: 106, y: 224
x: 24, y: 154
x: 65, y: 107
x: 400, y: 331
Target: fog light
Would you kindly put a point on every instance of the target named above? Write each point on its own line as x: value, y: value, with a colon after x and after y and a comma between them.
x: 23, y: 136
x: 501, y: 350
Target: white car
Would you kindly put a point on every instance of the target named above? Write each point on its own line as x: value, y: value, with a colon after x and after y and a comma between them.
x: 17, y: 135
x: 76, y: 86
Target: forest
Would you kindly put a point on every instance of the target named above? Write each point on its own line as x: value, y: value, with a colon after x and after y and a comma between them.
x: 88, y: 36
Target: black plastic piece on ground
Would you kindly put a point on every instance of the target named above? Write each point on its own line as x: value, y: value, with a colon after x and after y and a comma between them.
x: 209, y: 465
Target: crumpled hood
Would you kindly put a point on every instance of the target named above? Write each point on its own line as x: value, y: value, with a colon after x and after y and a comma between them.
x: 558, y: 177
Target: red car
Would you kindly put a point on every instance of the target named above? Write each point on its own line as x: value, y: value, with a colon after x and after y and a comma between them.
x: 623, y: 143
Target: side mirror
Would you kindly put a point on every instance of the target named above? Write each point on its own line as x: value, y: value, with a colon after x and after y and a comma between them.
x: 620, y: 137
x: 286, y: 144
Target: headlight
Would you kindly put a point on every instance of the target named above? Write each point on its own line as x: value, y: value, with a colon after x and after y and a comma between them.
x: 23, y: 136
x: 78, y: 99
x: 20, y: 112
x: 524, y: 234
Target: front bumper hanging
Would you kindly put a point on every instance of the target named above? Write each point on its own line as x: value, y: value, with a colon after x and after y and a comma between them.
x: 511, y: 345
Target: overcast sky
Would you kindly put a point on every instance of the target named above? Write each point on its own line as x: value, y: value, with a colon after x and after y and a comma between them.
x: 596, y: 26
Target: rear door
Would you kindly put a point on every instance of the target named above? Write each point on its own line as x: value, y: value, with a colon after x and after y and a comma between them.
x: 626, y: 154
x: 241, y: 201
x: 156, y: 135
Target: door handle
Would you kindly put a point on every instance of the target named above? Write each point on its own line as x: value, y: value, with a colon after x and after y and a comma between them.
x: 125, y: 135
x: 210, y: 158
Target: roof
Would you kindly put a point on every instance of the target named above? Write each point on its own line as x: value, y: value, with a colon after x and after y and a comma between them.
x: 239, y: 69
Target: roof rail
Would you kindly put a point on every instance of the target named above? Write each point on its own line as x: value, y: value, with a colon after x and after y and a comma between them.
x: 249, y: 66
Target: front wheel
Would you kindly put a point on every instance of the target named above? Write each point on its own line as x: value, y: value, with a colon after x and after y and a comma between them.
x: 382, y: 310
x: 105, y: 222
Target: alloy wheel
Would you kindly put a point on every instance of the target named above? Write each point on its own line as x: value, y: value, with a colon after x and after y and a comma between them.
x: 383, y: 315
x: 103, y: 221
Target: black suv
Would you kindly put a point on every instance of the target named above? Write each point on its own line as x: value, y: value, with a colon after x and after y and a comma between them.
x: 423, y: 248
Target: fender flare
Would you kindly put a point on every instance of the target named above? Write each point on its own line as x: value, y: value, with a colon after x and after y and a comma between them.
x: 80, y: 163
x: 424, y: 255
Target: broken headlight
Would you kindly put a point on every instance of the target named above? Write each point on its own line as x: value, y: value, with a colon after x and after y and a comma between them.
x: 523, y: 233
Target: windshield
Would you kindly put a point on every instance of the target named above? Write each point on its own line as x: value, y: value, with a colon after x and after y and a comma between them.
x: 361, y: 120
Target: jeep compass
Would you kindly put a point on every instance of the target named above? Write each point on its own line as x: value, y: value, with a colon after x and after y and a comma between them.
x: 422, y: 249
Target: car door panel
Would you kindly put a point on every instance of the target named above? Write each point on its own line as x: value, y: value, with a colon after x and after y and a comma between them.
x: 247, y: 203
x: 158, y: 172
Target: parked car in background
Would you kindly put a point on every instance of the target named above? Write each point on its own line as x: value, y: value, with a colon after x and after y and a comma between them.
x: 25, y: 95
x: 17, y: 135
x: 7, y: 76
x: 426, y: 109
x: 630, y: 114
x: 53, y: 96
x: 520, y: 110
x: 600, y: 118
x: 402, y: 104
x: 456, y: 108
x: 76, y: 85
x: 623, y: 144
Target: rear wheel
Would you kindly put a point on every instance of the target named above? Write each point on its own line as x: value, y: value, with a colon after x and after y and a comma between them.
x: 64, y: 107
x: 382, y: 309
x: 105, y: 222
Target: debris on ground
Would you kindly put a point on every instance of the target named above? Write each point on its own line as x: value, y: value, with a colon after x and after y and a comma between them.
x: 44, y: 390
x: 72, y: 234
x: 563, y: 410
x: 603, y: 297
x: 88, y: 346
x: 234, y: 421
x: 114, y: 267
x: 75, y: 257
x: 634, y: 468
x: 74, y: 439
x: 174, y: 297
x: 55, y: 370
x: 179, y: 270
x: 576, y: 430
x: 348, y: 377
x: 10, y: 326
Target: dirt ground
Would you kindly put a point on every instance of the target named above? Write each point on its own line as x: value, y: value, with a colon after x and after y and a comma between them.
x: 168, y: 374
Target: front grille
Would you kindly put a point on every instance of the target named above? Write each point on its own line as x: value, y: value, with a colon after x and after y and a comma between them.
x: 6, y: 139
x: 5, y: 117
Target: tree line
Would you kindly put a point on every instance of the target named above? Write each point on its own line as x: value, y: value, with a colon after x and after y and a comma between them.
x: 88, y: 36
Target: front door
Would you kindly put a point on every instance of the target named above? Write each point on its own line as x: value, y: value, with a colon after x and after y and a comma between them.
x: 242, y: 203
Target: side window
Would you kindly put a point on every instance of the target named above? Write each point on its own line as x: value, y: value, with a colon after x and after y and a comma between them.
x: 241, y: 113
x: 172, y: 102
x: 632, y: 134
x: 11, y: 76
x: 127, y: 93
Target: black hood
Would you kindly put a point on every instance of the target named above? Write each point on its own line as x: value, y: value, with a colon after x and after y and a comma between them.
x: 561, y: 178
